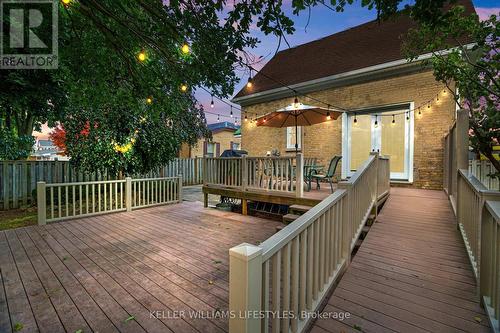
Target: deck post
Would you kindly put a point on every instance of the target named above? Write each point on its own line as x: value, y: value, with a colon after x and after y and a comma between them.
x: 462, y: 144
x: 41, y: 202
x: 375, y: 205
x: 128, y: 194
x: 299, y: 179
x: 179, y: 187
x: 245, y: 288
x: 244, y: 173
x: 346, y: 221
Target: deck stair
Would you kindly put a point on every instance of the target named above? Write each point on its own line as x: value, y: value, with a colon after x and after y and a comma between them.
x: 294, y: 212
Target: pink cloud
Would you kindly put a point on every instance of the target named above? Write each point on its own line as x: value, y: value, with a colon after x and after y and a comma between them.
x: 484, y: 13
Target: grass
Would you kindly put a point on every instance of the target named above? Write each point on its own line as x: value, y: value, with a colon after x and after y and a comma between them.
x: 17, y: 218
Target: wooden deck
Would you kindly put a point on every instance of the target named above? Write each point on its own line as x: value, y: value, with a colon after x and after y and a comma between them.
x: 411, y: 273
x: 107, y: 273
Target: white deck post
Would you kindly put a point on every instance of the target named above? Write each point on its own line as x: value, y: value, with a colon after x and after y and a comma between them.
x: 299, y: 181
x: 41, y: 202
x: 462, y: 144
x: 128, y: 193
x: 244, y: 173
x: 179, y: 187
x: 245, y: 288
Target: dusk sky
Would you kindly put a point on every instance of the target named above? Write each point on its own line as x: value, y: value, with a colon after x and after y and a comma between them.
x: 323, y: 22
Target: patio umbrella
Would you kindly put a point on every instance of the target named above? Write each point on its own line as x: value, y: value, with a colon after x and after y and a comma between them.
x: 297, y: 114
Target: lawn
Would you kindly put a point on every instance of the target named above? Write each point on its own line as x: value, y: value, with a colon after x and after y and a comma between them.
x: 17, y: 218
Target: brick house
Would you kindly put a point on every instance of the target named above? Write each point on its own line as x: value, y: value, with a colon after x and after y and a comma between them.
x: 223, y: 138
x: 362, y: 71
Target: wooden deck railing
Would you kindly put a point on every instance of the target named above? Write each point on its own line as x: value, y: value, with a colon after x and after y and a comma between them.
x: 384, y: 177
x: 18, y: 179
x: 273, y: 174
x: 490, y: 262
x: 271, y: 285
x: 63, y: 201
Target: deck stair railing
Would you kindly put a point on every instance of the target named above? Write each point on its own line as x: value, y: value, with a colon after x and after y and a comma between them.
x: 273, y: 284
x: 63, y: 201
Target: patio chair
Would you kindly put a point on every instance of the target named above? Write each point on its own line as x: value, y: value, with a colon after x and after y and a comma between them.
x: 330, y: 172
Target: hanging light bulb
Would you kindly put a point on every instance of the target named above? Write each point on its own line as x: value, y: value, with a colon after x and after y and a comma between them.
x: 231, y: 114
x: 265, y: 119
x: 419, y: 112
x: 437, y: 97
x: 376, y: 121
x: 212, y: 102
x: 185, y: 48
x: 218, y: 117
x: 141, y: 56
x: 184, y: 87
x: 428, y: 105
x: 355, y: 119
x: 66, y: 2
x: 246, y: 118
x: 250, y: 83
x: 296, y: 103
x: 393, y: 120
x: 408, y: 115
x: 444, y: 91
x: 149, y: 100
x: 328, y: 116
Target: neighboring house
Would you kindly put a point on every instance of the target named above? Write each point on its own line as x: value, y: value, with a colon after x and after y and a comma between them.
x: 362, y: 71
x: 223, y: 137
x: 44, y: 149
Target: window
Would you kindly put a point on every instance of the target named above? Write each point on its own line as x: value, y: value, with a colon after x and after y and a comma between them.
x: 210, y: 149
x: 290, y: 137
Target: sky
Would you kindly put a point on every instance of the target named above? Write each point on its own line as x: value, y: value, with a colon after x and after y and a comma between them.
x: 323, y: 22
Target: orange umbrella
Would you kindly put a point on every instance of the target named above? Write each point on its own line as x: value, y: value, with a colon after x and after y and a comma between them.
x: 297, y: 114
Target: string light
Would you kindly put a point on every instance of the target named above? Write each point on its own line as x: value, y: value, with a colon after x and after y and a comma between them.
x: 66, y: 2
x: 328, y: 116
x: 376, y: 121
x: 393, y: 120
x: 296, y: 102
x: 185, y: 48
x: 212, y: 102
x: 250, y: 81
x: 419, y: 112
x: 428, y: 105
x: 149, y: 100
x: 246, y: 118
x: 142, y: 55
x: 231, y: 114
x: 184, y: 87
x: 218, y: 117
x: 407, y: 115
x: 355, y: 119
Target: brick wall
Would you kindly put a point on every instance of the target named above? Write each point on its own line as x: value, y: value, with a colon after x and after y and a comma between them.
x: 325, y: 140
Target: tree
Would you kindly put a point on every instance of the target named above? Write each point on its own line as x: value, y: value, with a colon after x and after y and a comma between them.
x: 473, y: 69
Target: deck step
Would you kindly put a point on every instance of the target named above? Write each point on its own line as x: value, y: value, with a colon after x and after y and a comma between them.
x: 298, y: 209
x: 288, y: 218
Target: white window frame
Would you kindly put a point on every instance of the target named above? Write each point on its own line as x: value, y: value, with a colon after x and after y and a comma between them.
x: 211, y: 144
x: 289, y: 144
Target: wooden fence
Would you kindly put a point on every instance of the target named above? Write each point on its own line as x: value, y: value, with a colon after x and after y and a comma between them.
x: 292, y: 271
x: 63, y: 201
x: 482, y: 169
x: 18, y: 179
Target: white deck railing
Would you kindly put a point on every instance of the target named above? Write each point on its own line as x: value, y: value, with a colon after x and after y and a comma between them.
x: 63, y: 201
x: 272, y: 174
x: 490, y: 261
x: 290, y: 273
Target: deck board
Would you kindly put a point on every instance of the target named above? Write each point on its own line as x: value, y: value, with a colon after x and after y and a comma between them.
x: 411, y: 273
x: 92, y: 274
